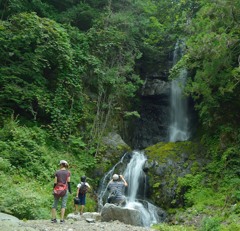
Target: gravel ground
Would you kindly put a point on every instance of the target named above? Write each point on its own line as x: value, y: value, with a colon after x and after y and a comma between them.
x: 73, y: 222
x: 69, y: 225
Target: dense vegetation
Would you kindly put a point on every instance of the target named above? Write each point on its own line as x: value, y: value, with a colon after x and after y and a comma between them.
x: 71, y: 72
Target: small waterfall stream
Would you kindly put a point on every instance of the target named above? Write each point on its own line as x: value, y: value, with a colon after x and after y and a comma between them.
x: 135, y: 177
x: 178, y: 130
x: 134, y: 174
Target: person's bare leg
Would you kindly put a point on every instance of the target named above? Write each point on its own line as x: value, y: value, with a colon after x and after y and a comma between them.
x: 53, y: 213
x: 76, y: 208
x: 62, y: 213
x: 81, y: 210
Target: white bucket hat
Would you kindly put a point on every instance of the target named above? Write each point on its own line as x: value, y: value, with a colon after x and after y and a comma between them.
x: 63, y: 162
x: 115, y: 177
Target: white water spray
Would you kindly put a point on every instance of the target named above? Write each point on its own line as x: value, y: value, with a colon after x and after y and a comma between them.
x: 178, y: 130
x: 134, y: 175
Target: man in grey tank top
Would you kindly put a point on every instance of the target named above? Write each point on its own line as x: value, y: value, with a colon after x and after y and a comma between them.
x: 116, y: 187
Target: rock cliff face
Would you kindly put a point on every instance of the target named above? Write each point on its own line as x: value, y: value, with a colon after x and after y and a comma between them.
x: 155, y: 108
x: 167, y: 162
x: 152, y: 126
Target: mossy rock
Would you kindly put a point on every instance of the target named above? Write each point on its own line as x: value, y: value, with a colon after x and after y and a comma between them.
x: 166, y: 163
x: 112, y: 150
x: 163, y: 151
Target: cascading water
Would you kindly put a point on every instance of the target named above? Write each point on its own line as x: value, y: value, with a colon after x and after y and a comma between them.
x: 134, y: 174
x: 178, y: 130
x: 102, y: 191
x: 135, y: 177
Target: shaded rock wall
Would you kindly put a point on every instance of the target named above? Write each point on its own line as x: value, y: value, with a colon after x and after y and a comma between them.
x: 152, y: 126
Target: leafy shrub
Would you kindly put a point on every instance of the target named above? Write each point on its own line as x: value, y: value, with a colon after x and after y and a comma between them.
x: 4, y: 164
x: 166, y: 227
x: 210, y: 224
x: 25, y: 148
x: 231, y: 227
x: 23, y: 198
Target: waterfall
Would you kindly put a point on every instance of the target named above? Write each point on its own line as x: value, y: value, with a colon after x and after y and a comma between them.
x: 136, y: 178
x: 102, y: 191
x: 134, y: 173
x: 178, y: 130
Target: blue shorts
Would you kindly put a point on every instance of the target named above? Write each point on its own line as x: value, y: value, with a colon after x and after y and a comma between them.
x: 81, y: 201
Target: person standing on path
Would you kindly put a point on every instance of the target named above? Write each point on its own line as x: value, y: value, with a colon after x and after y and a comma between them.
x: 61, y: 176
x: 82, y: 188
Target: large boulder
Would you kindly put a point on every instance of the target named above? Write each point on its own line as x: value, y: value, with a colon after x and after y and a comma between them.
x: 112, y: 149
x: 166, y: 163
x: 11, y: 223
x: 129, y: 216
x: 114, y: 141
x: 7, y: 217
x: 155, y: 87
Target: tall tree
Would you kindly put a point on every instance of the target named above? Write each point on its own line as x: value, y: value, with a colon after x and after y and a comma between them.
x: 39, y: 76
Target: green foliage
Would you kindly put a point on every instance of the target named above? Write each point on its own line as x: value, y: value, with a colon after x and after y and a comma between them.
x: 166, y: 227
x: 9, y: 8
x: 210, y: 224
x: 212, y: 59
x: 80, y: 16
x: 196, y: 194
x: 116, y: 56
x: 39, y: 77
x: 28, y: 161
x: 131, y: 114
x: 231, y: 227
x: 24, y: 148
x: 23, y: 198
x: 4, y: 165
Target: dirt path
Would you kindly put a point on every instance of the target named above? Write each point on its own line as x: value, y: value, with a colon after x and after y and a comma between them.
x: 73, y: 222
x: 69, y: 225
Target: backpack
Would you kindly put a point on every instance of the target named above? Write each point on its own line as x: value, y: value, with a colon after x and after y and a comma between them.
x: 83, y: 189
x: 60, y: 190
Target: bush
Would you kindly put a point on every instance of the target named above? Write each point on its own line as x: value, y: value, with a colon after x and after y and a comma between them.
x: 230, y: 227
x: 165, y: 227
x: 210, y: 224
x: 23, y: 198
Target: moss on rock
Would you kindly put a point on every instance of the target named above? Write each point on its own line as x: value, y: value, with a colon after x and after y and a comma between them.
x: 112, y: 150
x: 166, y: 162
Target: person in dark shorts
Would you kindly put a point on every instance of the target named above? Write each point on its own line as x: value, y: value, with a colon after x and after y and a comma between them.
x: 116, y: 188
x: 82, y: 188
x: 61, y: 176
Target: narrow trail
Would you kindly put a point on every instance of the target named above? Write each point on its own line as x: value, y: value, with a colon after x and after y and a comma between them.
x: 69, y: 225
